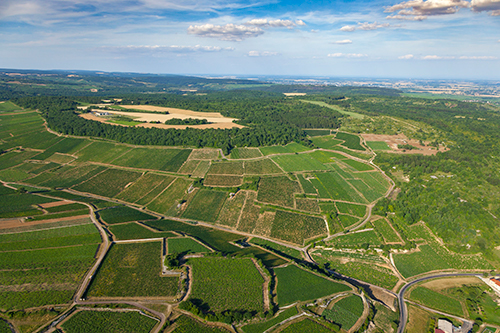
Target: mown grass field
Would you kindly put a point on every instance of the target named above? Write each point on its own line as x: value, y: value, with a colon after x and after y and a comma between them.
x: 107, y: 321
x: 44, y: 266
x: 227, y: 284
x: 108, y: 183
x: 132, y: 270
x: 122, y: 214
x: 261, y: 327
x: 345, y: 312
x: 295, y: 284
x: 296, y: 228
x: 205, y: 206
x: 278, y: 191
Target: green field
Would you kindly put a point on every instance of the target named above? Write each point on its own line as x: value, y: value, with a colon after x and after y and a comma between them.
x: 308, y: 205
x: 132, y: 270
x: 186, y: 324
x: 437, y: 301
x: 298, y: 162
x: 326, y: 142
x: 222, y: 180
x: 356, y: 239
x: 307, y: 186
x: 205, y: 206
x: 385, y: 229
x: 185, y: 245
x: 122, y: 214
x: 296, y: 228
x: 172, y: 195
x: 102, y: 152
x: 155, y: 159
x: 351, y: 141
x: 378, y: 145
x: 278, y: 191
x: 295, y: 284
x: 108, y: 183
x: 8, y: 106
x: 227, y: 284
x: 280, y: 249
x: 361, y: 270
x: 358, y: 166
x: 261, y: 327
x: 142, y: 187
x: 226, y: 168
x: 44, y: 266
x: 351, y: 209
x: 64, y: 146
x: 345, y: 312
x: 261, y: 167
x: 435, y: 257
x: 306, y: 325
x: 107, y: 321
x: 20, y: 204
x: 136, y: 231
x: 244, y: 153
x: 331, y: 185
x: 154, y: 190
x: 231, y: 210
x: 288, y: 149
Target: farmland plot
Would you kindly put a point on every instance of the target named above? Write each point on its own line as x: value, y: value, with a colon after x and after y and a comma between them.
x: 278, y: 191
x: 261, y: 327
x: 307, y: 186
x: 20, y: 204
x: 201, y: 169
x: 326, y: 142
x: 249, y: 215
x: 122, y: 214
x: 298, y: 162
x: 15, y: 157
x: 155, y: 191
x: 102, y: 152
x: 337, y: 188
x: 132, y: 270
x: 295, y: 284
x: 351, y: 209
x: 64, y: 146
x: 223, y: 180
x: 176, y: 191
x: 189, y: 166
x: 142, y: 187
x: 437, y: 301
x: 358, y: 166
x: 67, y: 176
x: 110, y: 322
x: 384, y: 227
x: 226, y: 168
x: 308, y: 205
x: 296, y: 228
x: 185, y: 245
x: 280, y: 249
x: 204, y: 154
x: 155, y: 159
x: 244, y: 153
x: 205, y: 206
x: 186, y: 324
x: 108, y: 183
x: 261, y: 167
x: 345, y: 312
x: 137, y: 231
x: 356, y: 239
x: 227, y: 284
x: 351, y: 141
x: 231, y: 210
x: 306, y: 325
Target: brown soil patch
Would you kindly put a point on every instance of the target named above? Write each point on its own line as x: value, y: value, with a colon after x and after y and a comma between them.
x: 215, y: 125
x: 441, y: 284
x: 55, y: 204
x: 16, y: 223
x: 394, y: 140
x: 385, y: 297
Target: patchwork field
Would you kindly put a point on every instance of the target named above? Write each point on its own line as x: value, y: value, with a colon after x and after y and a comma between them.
x: 227, y: 284
x: 295, y: 284
x: 132, y: 270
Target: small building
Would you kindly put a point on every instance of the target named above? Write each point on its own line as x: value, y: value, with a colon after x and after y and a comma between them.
x: 445, y: 326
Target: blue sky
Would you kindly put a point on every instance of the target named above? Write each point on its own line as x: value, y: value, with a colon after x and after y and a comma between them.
x: 403, y: 39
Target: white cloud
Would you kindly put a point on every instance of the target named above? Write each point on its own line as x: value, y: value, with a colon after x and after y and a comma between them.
x: 300, y: 22
x: 229, y: 32
x: 262, y: 54
x: 478, y: 58
x: 348, y: 28
x: 347, y: 55
x: 492, y: 6
x: 272, y: 23
x: 341, y: 42
x: 166, y: 48
x: 420, y: 9
x: 436, y: 57
x: 406, y: 18
x: 364, y: 26
x: 407, y: 56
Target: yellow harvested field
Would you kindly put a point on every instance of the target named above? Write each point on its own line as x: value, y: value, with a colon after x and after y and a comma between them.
x: 294, y: 94
x: 440, y: 284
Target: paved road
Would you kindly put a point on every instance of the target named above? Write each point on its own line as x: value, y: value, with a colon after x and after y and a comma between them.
x: 403, y: 312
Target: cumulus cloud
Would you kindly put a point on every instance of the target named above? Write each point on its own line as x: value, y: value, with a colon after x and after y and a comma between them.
x: 347, y: 55
x: 407, y: 56
x: 300, y: 22
x: 492, y: 6
x: 344, y: 41
x: 407, y: 18
x: 272, y: 23
x: 420, y: 9
x: 436, y: 57
x: 229, y: 32
x: 262, y: 54
x: 364, y: 26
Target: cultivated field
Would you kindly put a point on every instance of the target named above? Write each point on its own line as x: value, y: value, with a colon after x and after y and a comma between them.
x: 107, y: 321
x: 345, y: 312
